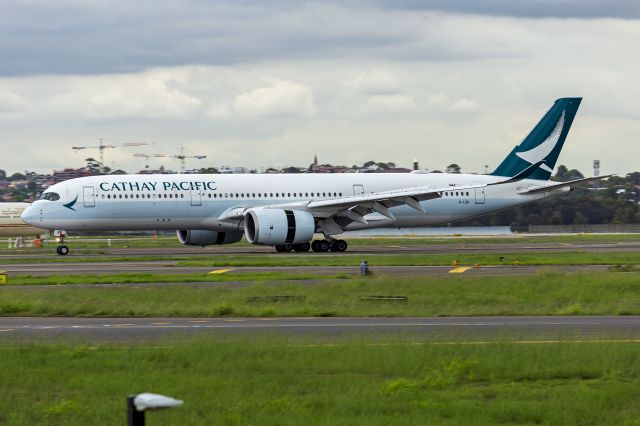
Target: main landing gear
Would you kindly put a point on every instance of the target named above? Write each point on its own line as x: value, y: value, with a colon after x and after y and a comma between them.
x: 62, y: 249
x: 285, y: 248
x: 317, y: 246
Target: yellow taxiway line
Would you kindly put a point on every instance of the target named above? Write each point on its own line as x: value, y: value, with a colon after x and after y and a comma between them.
x: 460, y: 269
x: 220, y: 271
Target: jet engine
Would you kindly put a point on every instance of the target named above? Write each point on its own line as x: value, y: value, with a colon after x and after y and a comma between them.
x: 207, y: 238
x: 276, y: 226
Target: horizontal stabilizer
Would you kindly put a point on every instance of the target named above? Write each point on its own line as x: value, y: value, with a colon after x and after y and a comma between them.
x: 562, y: 185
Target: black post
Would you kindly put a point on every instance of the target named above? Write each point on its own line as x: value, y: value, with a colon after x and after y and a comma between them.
x: 134, y: 417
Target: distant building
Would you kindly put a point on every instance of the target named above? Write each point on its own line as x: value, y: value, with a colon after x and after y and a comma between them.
x: 228, y: 170
x: 160, y: 171
x: 396, y: 170
x: 66, y: 174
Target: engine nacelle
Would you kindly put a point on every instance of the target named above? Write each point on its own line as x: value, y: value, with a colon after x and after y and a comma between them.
x: 277, y: 226
x: 207, y: 238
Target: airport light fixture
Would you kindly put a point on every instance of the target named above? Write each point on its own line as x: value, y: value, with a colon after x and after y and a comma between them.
x: 138, y: 404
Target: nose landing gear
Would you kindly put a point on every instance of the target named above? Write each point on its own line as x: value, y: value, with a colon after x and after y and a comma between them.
x: 62, y: 249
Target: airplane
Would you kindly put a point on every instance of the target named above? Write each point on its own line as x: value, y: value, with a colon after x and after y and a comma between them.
x: 285, y: 210
x: 12, y: 226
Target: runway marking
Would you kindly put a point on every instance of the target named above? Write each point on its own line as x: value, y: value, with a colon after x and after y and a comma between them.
x: 199, y: 321
x: 121, y: 325
x: 7, y: 329
x: 234, y: 320
x: 460, y: 269
x: 220, y: 271
x: 160, y: 323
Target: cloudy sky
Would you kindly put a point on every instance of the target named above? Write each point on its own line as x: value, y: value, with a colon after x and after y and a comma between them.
x: 272, y: 83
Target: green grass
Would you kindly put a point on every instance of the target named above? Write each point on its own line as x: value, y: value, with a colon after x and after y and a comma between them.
x: 403, y: 259
x: 506, y: 239
x: 141, y: 278
x: 549, y: 293
x: 276, y: 380
x: 348, y: 259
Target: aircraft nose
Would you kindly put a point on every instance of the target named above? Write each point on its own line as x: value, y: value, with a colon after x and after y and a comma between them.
x: 30, y: 215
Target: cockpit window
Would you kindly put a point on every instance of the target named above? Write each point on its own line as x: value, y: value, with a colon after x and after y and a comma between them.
x: 50, y: 196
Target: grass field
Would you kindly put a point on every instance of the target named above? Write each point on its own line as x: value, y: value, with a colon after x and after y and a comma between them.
x: 547, y: 293
x: 141, y: 278
x: 404, y: 259
x: 276, y: 380
x: 346, y: 259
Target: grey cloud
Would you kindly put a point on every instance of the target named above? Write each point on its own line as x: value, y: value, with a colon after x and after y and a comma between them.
x: 75, y: 37
x: 624, y: 9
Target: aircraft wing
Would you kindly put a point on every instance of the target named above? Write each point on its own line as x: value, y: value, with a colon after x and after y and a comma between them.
x: 563, y: 185
x: 357, y: 206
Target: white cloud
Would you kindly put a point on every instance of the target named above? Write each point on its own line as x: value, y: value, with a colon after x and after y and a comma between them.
x: 464, y: 105
x: 146, y: 95
x: 377, y: 81
x: 12, y: 102
x: 389, y: 104
x: 282, y: 98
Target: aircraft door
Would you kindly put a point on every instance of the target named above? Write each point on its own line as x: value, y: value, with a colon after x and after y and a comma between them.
x: 480, y: 198
x: 358, y: 190
x: 88, y: 196
x: 196, y: 198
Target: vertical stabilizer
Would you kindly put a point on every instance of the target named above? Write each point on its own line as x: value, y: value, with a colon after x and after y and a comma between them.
x: 543, y: 144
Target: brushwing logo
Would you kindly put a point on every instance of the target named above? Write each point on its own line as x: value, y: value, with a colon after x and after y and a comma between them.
x: 71, y: 204
x: 540, y: 152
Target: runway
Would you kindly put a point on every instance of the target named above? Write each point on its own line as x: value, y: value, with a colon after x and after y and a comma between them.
x: 170, y: 267
x: 132, y: 329
x: 355, y: 249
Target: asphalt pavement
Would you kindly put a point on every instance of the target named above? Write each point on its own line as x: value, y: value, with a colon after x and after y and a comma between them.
x: 133, y: 329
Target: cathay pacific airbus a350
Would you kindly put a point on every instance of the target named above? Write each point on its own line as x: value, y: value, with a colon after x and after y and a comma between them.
x: 285, y: 211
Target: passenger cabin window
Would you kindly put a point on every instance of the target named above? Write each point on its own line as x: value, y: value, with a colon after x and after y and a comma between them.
x: 50, y: 196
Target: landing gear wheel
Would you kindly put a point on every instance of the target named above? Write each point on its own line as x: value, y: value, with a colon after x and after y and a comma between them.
x: 283, y: 248
x: 301, y: 247
x: 339, y: 245
x: 62, y: 250
x: 321, y: 246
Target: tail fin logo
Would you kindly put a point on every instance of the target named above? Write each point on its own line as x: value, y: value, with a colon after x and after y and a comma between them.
x: 540, y: 152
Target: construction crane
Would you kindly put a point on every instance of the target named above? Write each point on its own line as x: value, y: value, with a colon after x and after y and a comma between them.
x: 148, y: 156
x: 138, y: 143
x: 145, y: 156
x: 100, y: 147
x: 183, y: 158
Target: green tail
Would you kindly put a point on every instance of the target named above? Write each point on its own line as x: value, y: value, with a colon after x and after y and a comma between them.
x: 542, y: 146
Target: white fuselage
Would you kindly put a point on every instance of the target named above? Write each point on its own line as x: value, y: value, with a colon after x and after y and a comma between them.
x: 184, y: 201
x: 12, y: 226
